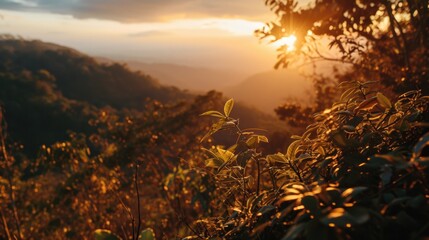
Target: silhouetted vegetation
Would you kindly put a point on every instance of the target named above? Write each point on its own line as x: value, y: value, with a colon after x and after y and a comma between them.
x: 95, y: 151
x: 358, y: 170
x: 79, y: 138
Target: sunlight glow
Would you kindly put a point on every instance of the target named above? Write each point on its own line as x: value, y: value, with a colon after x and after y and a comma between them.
x: 289, y: 42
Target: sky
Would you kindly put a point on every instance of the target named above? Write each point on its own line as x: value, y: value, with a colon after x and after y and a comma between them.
x: 205, y: 33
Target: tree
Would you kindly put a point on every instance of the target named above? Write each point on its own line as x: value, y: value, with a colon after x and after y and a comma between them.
x: 384, y: 40
x: 359, y: 171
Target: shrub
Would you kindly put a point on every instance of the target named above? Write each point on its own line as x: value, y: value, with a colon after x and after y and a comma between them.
x: 358, y: 172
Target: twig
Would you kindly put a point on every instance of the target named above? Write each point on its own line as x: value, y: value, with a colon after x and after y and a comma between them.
x: 138, y: 200
x: 9, y: 178
x: 259, y: 176
x: 127, y: 209
x: 5, y: 226
x: 296, y: 171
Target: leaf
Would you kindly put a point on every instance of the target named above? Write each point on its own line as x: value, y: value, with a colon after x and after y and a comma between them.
x: 225, y: 155
x: 213, y: 114
x: 103, y: 234
x: 262, y: 138
x: 418, y: 148
x: 265, y: 209
x: 386, y: 175
x: 244, y: 157
x: 147, y: 234
x: 347, y: 93
x: 254, y: 140
x: 368, y: 104
x: 214, y: 128
x: 352, y: 192
x: 383, y: 100
x: 339, y: 139
x: 276, y: 158
x: 348, y: 128
x: 311, y: 204
x: 292, y: 149
x: 339, y: 217
x: 296, y: 137
x: 228, y: 107
x: 213, y: 163
x: 295, y: 231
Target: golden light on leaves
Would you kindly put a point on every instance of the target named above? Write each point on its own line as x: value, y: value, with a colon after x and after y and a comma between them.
x: 288, y: 42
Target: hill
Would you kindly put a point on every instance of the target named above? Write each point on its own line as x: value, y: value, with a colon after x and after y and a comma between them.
x: 48, y: 90
x: 186, y: 77
x: 80, y: 77
x: 267, y: 90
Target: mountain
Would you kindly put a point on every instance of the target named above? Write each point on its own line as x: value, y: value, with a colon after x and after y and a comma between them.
x: 267, y: 90
x: 186, y: 77
x: 80, y: 77
x: 47, y: 90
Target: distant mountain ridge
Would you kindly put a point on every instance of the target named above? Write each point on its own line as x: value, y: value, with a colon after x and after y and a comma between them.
x: 186, y: 77
x: 47, y: 90
x: 267, y: 90
x: 80, y: 77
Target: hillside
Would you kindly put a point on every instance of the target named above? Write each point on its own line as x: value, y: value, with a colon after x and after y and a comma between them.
x: 186, y: 77
x: 48, y: 90
x: 267, y: 90
x: 78, y: 76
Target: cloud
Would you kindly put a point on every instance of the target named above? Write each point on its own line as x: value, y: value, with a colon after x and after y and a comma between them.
x: 142, y: 10
x: 150, y: 33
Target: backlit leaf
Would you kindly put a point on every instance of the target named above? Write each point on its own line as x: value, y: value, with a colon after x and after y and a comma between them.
x: 103, y: 234
x: 383, y: 100
x: 228, y: 107
x: 213, y: 114
x: 147, y: 234
x: 368, y: 104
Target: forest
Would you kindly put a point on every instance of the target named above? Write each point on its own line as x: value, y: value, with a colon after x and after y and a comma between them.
x: 93, y: 150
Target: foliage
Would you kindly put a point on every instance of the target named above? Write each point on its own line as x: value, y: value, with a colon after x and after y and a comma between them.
x: 112, y: 164
x: 80, y: 77
x: 133, y: 172
x: 383, y: 40
x: 352, y: 174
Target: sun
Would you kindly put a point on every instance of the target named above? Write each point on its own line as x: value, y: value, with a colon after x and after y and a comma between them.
x: 288, y: 41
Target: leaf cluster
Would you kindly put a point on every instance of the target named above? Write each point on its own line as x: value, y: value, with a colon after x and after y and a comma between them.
x: 359, y: 171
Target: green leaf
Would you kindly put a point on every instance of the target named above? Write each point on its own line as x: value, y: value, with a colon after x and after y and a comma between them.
x: 366, y: 105
x: 262, y: 138
x: 292, y: 149
x: 214, y: 128
x: 228, y: 107
x: 353, y: 192
x: 254, y: 140
x: 383, y: 100
x: 213, y: 162
x: 103, y: 234
x: 147, y: 234
x: 225, y: 155
x: 213, y: 114
x: 296, y: 137
x: 276, y: 158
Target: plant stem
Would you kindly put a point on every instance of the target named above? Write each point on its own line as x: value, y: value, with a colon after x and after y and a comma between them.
x: 138, y: 201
